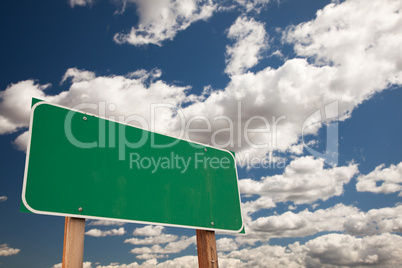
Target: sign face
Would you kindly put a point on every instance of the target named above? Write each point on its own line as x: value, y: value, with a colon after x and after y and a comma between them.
x: 81, y: 165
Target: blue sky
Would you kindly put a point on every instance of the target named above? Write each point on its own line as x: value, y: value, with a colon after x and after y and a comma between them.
x: 317, y: 68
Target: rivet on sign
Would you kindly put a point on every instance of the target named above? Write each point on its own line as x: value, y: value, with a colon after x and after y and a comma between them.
x: 85, y: 119
x: 205, y: 149
x: 212, y: 223
x: 80, y: 209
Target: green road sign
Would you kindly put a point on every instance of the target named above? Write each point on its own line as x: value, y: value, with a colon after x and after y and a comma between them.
x: 81, y: 165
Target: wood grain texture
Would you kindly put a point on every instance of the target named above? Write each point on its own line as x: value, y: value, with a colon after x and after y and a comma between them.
x: 206, y: 247
x: 73, y: 249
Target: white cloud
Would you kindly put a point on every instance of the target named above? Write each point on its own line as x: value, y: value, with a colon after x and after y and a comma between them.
x: 131, y: 265
x: 74, y: 3
x: 263, y: 202
x: 15, y: 104
x: 344, y: 250
x: 375, y: 221
x: 303, y: 223
x: 161, y: 20
x: 346, y: 72
x: 227, y: 262
x: 100, y: 233
x: 339, y: 218
x: 284, y: 97
x: 79, y: 75
x: 253, y: 5
x: 86, y: 264
x: 226, y: 244
x: 106, y: 223
x: 149, y: 230
x: 152, y: 240
x: 250, y: 207
x: 182, y: 262
x: 151, y: 256
x: 250, y: 41
x: 118, y: 92
x: 3, y: 198
x: 304, y: 181
x: 21, y: 142
x: 390, y: 180
x: 5, y: 250
x: 331, y: 250
x: 155, y: 237
x: 358, y: 35
x: 275, y: 256
x: 172, y: 247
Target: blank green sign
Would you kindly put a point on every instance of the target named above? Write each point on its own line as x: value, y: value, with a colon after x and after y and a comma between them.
x: 81, y: 165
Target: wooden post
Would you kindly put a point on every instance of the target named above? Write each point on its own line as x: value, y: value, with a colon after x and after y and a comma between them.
x: 73, y: 249
x: 206, y: 247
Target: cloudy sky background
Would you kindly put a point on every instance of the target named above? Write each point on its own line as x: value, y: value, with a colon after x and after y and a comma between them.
x: 313, y: 67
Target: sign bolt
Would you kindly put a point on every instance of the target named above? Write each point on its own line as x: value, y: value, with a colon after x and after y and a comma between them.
x: 85, y: 118
x: 205, y: 149
x: 80, y: 209
x: 212, y: 223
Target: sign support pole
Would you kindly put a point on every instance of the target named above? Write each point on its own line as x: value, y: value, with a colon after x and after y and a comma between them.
x: 206, y: 247
x: 73, y: 248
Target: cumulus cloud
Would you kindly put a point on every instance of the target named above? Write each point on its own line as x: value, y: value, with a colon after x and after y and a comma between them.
x: 253, y: 5
x: 331, y: 250
x: 100, y: 233
x: 86, y: 264
x: 339, y: 218
x: 250, y: 41
x: 5, y: 250
x: 256, y: 113
x: 172, y: 247
x: 150, y: 256
x: 355, y: 34
x: 74, y: 3
x: 15, y: 104
x: 3, y: 198
x: 275, y: 256
x: 375, y: 221
x: 106, y: 223
x: 346, y: 54
x: 161, y: 20
x: 381, y: 180
x: 149, y: 230
x: 303, y: 223
x: 115, y: 99
x: 226, y: 244
x: 21, y: 142
x: 250, y: 207
x: 156, y: 238
x: 183, y: 262
x: 304, y: 180
x: 80, y: 75
x: 344, y: 250
x: 152, y: 240
x: 264, y: 202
